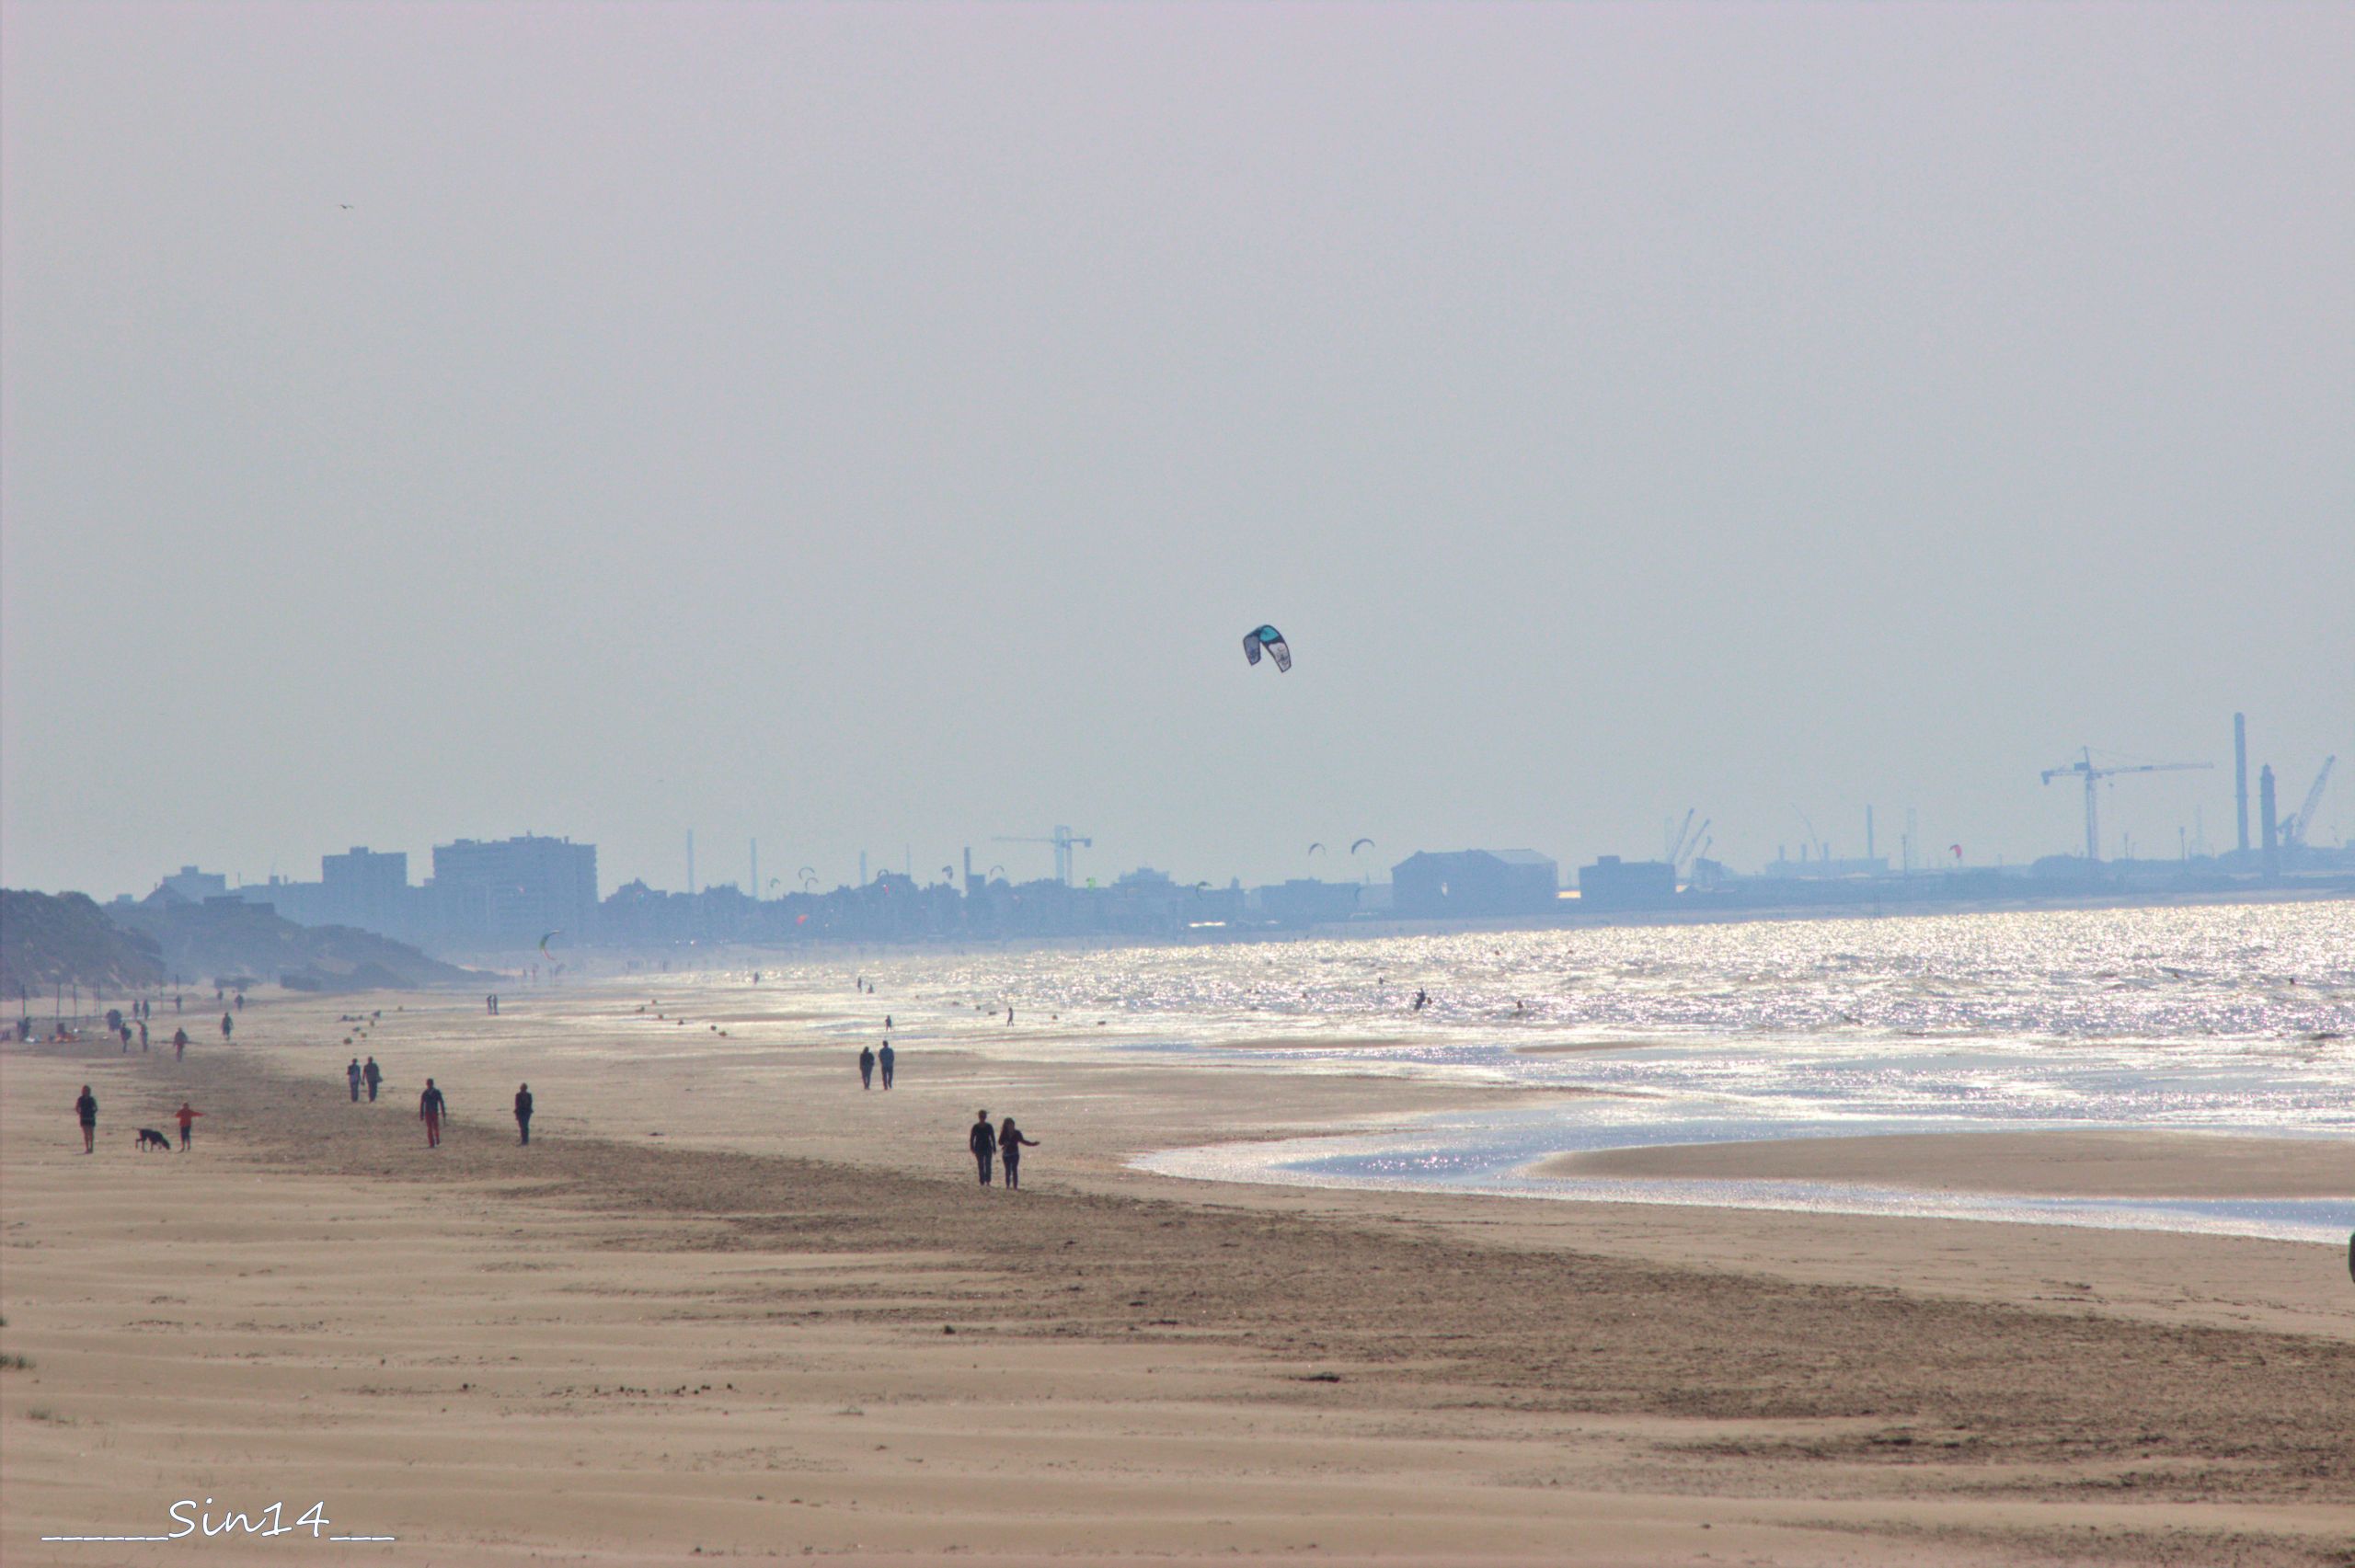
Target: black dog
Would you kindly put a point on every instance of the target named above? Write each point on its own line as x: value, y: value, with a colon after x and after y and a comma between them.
x: 150, y: 1139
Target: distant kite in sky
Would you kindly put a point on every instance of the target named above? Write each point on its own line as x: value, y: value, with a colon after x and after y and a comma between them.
x: 1271, y: 639
x: 1361, y: 843
x: 1315, y: 849
x: 544, y: 946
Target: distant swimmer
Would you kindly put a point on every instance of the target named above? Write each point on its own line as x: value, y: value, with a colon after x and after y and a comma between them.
x: 866, y: 1067
x: 981, y: 1141
x: 886, y: 1021
x: 1422, y: 1000
x: 1010, y: 1142
x: 430, y: 1107
x: 883, y: 1060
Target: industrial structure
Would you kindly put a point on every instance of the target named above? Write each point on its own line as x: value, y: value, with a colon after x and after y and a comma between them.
x: 2084, y: 768
x: 1063, y: 839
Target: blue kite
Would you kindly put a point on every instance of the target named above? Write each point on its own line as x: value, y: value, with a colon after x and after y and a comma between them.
x: 1271, y: 639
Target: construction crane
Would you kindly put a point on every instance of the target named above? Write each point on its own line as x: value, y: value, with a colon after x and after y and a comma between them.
x: 2084, y: 768
x: 1690, y: 848
x: 2293, y: 831
x: 1063, y: 839
x: 1675, y: 837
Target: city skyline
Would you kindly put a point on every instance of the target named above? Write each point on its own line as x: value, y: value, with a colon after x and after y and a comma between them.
x: 1879, y: 834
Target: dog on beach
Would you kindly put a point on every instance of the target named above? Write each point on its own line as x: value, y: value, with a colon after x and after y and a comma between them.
x: 150, y: 1139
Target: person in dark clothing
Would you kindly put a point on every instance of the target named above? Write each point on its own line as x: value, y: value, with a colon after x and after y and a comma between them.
x: 523, y: 1111
x: 227, y: 1023
x: 179, y: 1045
x: 983, y: 1142
x: 883, y: 1060
x: 352, y: 1076
x: 87, y: 1107
x: 125, y: 1030
x: 372, y: 1075
x: 866, y: 1067
x: 241, y: 1002
x: 1010, y: 1140
x: 430, y: 1107
x: 142, y: 1035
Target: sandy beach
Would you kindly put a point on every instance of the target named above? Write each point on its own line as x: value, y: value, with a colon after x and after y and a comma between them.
x: 728, y: 1301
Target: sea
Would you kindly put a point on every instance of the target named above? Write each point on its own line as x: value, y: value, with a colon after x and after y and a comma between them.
x: 2213, y: 1018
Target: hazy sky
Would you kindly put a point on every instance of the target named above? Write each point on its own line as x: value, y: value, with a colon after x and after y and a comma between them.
x: 859, y: 428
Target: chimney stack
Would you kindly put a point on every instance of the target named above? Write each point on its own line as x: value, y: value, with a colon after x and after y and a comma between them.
x: 2272, y: 829
x: 2240, y: 773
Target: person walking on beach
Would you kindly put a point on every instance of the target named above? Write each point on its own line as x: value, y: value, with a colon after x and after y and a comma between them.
x: 352, y: 1076
x: 87, y: 1108
x: 125, y: 1029
x: 186, y: 1117
x: 227, y: 1025
x: 179, y: 1045
x: 883, y: 1060
x: 523, y: 1111
x: 983, y: 1142
x: 142, y: 1037
x: 866, y: 1067
x: 1010, y: 1140
x: 372, y: 1075
x: 429, y: 1107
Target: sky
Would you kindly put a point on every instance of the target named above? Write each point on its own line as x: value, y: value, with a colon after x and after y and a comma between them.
x: 874, y: 428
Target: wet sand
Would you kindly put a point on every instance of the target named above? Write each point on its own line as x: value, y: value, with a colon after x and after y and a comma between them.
x: 734, y: 1336
x: 2054, y: 1164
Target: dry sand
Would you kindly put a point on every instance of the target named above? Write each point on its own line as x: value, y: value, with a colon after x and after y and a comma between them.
x: 618, y: 1347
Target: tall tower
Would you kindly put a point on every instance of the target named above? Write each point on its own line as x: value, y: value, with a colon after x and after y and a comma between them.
x: 2265, y: 816
x: 2240, y: 773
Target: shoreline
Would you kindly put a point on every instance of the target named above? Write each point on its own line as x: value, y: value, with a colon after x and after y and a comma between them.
x: 2038, y: 1163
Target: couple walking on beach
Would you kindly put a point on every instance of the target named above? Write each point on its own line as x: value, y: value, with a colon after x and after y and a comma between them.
x: 869, y: 1061
x: 1005, y: 1143
x: 370, y: 1077
x: 432, y: 1106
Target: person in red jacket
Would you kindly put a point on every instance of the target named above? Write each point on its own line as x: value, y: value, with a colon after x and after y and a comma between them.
x: 184, y: 1117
